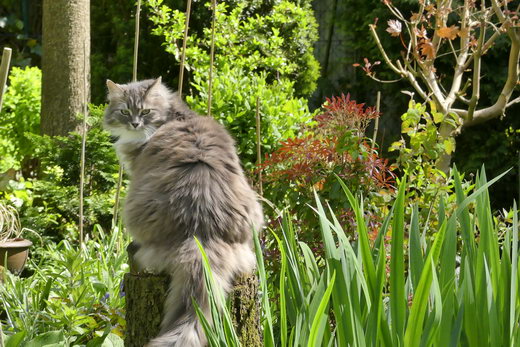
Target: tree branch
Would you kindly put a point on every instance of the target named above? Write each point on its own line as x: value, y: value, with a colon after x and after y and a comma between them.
x: 383, y: 52
x: 514, y: 101
x: 502, y: 102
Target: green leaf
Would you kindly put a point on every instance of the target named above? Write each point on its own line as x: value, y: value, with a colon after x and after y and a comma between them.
x: 320, y: 319
x: 397, y: 281
x: 449, y: 145
x: 49, y: 339
x: 14, y: 340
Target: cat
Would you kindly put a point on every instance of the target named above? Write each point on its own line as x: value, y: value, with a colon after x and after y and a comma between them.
x: 186, y: 181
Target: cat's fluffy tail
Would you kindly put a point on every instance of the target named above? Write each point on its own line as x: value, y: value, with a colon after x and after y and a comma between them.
x: 180, y: 326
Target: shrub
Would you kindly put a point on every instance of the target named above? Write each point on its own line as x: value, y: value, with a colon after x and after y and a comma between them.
x: 19, y: 116
x: 265, y: 55
x: 334, y: 146
x: 49, y: 204
x: 281, y: 113
x: 419, y: 151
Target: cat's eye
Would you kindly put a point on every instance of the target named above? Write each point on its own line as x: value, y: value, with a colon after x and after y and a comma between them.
x: 144, y: 112
x: 125, y: 112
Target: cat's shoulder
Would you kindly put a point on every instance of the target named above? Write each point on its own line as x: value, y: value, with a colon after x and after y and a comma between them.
x: 196, y: 125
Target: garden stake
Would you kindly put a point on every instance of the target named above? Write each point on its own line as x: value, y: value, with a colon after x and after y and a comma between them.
x: 183, y: 56
x: 258, y: 149
x: 376, y: 125
x: 83, y: 146
x: 211, y: 55
x: 4, y: 71
x: 136, y: 40
x: 134, y: 78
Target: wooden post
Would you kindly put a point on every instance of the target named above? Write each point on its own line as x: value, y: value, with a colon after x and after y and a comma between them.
x: 145, y: 294
x: 4, y: 71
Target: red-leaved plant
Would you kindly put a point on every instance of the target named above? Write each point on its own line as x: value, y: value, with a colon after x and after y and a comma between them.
x: 334, y: 145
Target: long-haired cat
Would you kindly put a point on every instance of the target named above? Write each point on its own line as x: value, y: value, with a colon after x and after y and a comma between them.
x: 186, y: 181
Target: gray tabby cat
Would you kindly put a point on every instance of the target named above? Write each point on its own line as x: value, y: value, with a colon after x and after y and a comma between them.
x: 186, y: 181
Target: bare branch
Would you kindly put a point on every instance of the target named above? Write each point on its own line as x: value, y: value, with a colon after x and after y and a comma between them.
x: 462, y: 99
x: 477, y: 57
x: 498, y: 11
x: 502, y: 102
x: 514, y: 101
x: 461, y: 59
x: 383, y: 52
x: 383, y: 81
x: 410, y: 74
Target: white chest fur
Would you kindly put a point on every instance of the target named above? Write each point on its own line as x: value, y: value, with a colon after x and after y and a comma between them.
x: 128, y: 143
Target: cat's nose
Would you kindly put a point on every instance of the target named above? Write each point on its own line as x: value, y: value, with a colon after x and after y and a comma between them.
x: 135, y: 125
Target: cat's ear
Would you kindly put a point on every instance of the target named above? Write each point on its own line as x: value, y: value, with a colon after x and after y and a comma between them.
x: 114, y: 89
x: 153, y: 86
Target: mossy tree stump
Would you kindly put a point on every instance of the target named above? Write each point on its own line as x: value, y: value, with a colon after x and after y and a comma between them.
x: 145, y: 294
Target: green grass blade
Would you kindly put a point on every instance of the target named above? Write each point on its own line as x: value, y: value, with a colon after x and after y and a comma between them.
x: 513, y: 308
x: 467, y: 234
x: 414, y: 327
x: 266, y: 307
x: 368, y: 261
x: 397, y: 281
x: 283, y: 302
x: 416, y: 254
x: 320, y: 319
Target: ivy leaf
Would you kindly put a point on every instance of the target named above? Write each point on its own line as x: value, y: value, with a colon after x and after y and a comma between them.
x: 449, y: 33
x: 394, y: 27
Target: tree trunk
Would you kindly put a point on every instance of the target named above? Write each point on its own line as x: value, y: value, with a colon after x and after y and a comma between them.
x: 245, y: 311
x: 65, y: 64
x: 145, y: 294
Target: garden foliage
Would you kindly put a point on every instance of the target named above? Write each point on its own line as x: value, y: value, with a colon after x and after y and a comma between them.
x: 459, y: 288
x: 265, y: 57
x: 74, y: 296
x: 49, y: 203
x: 19, y: 116
x: 334, y: 145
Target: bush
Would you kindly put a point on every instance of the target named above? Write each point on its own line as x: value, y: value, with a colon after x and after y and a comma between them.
x: 49, y: 204
x: 20, y: 115
x: 281, y: 113
x: 256, y: 55
x: 334, y: 147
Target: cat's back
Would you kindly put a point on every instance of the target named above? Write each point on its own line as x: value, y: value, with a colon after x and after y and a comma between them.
x: 196, y: 140
x: 190, y: 174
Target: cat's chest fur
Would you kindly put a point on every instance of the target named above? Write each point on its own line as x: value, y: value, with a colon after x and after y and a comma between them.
x: 129, y: 146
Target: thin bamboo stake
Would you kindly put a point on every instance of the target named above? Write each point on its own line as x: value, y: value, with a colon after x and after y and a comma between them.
x: 376, y: 125
x: 258, y: 148
x: 136, y: 40
x: 1, y: 333
x: 134, y: 78
x: 4, y: 71
x: 183, y: 55
x: 211, y: 55
x: 83, y: 147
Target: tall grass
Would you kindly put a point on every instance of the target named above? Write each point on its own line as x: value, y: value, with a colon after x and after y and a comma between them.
x: 459, y: 288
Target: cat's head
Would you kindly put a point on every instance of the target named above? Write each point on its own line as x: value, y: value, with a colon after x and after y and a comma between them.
x: 137, y: 109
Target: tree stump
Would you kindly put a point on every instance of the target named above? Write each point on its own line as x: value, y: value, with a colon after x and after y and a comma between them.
x: 145, y: 294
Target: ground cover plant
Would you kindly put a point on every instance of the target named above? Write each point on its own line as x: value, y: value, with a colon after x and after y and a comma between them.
x: 73, y: 297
